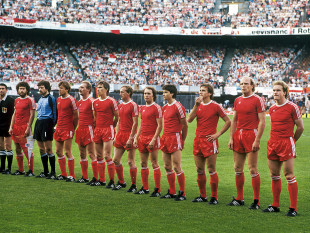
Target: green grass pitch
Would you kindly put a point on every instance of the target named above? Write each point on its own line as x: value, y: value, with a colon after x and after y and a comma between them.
x: 39, y: 205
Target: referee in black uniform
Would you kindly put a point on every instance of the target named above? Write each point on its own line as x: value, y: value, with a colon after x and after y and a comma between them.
x: 6, y: 112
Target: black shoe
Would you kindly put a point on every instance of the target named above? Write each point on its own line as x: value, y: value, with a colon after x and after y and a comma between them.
x: 70, y: 179
x: 291, y: 212
x: 181, y: 196
x: 213, y: 201
x: 51, y: 176
x: 82, y: 180
x: 42, y: 175
x: 18, y: 173
x: 118, y: 186
x: 93, y: 180
x: 155, y: 193
x: 271, y: 209
x: 254, y: 205
x: 110, y: 185
x: 142, y: 191
x: 6, y: 172
x: 132, y: 189
x: 200, y: 199
x: 235, y: 202
x: 168, y: 195
x: 98, y: 183
x: 61, y: 177
x: 29, y: 173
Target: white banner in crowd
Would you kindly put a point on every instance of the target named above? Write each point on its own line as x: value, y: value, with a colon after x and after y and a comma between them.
x: 153, y: 30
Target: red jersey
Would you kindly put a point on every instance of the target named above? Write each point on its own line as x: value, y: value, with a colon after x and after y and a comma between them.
x: 173, y: 113
x: 208, y: 117
x: 85, y: 108
x: 105, y: 111
x: 126, y: 112
x: 22, y: 110
x: 149, y: 114
x: 65, y: 108
x: 283, y: 119
x: 247, y: 109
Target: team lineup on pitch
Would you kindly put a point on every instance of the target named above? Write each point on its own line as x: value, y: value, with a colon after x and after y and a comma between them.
x: 101, y: 124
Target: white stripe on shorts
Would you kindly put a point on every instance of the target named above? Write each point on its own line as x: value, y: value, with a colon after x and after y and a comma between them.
x: 293, y: 146
x: 178, y: 141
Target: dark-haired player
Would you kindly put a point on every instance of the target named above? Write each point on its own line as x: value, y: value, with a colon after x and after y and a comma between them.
x: 105, y: 111
x: 20, y: 128
x: 281, y: 147
x: 246, y: 130
x: 126, y: 131
x: 6, y: 113
x: 172, y: 142
x: 206, y: 144
x: 66, y: 124
x: 44, y: 129
x: 148, y: 140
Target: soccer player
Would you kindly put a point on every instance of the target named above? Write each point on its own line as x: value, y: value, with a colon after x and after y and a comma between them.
x: 105, y: 111
x: 246, y: 130
x: 148, y: 140
x: 6, y: 113
x: 281, y: 147
x: 172, y: 142
x: 20, y: 127
x: 66, y: 125
x: 206, y: 145
x: 44, y: 129
x: 126, y: 131
x: 85, y: 132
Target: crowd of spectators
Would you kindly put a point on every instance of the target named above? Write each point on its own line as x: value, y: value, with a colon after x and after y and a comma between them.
x: 264, y: 65
x: 270, y: 13
x: 155, y: 65
x: 22, y: 60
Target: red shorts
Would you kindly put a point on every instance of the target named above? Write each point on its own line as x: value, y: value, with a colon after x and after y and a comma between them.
x: 281, y: 149
x: 202, y: 147
x: 84, y: 135
x: 144, y: 141
x: 171, y: 143
x: 61, y: 135
x: 18, y: 134
x: 244, y: 139
x: 104, y: 134
x: 121, y: 140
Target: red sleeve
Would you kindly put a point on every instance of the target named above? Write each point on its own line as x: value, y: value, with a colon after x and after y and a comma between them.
x: 260, y: 105
x: 135, y: 110
x: 295, y: 112
x: 159, y: 112
x: 180, y: 110
x: 221, y: 111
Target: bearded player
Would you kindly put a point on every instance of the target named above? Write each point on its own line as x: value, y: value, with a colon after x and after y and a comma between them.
x: 206, y: 144
x: 281, y: 147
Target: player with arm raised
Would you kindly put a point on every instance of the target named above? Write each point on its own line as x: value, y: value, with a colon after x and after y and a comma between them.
x: 172, y: 142
x: 148, y: 140
x: 281, y: 147
x: 66, y: 125
x: 246, y: 130
x: 206, y: 145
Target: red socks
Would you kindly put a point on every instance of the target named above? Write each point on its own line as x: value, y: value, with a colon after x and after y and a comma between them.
x: 181, y: 181
x: 111, y: 169
x: 145, y: 177
x: 293, y: 192
x: 171, y: 182
x: 62, y: 165
x: 133, y: 175
x: 84, y: 166
x: 239, y: 185
x: 94, y: 165
x: 157, y: 176
x: 201, y: 180
x: 276, y: 190
x: 101, y: 169
x: 214, y: 182
x: 119, y: 172
x: 20, y: 162
x: 256, y: 185
x: 71, y: 166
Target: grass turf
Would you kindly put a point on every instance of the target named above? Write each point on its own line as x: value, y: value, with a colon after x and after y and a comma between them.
x: 40, y: 205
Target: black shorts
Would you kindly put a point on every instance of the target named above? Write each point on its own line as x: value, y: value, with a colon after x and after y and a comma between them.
x: 4, y: 132
x: 44, y: 130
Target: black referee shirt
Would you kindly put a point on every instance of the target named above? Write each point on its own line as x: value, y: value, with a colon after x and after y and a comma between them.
x: 6, y: 111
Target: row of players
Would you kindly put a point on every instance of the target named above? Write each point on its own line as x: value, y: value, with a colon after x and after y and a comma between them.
x: 98, y: 118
